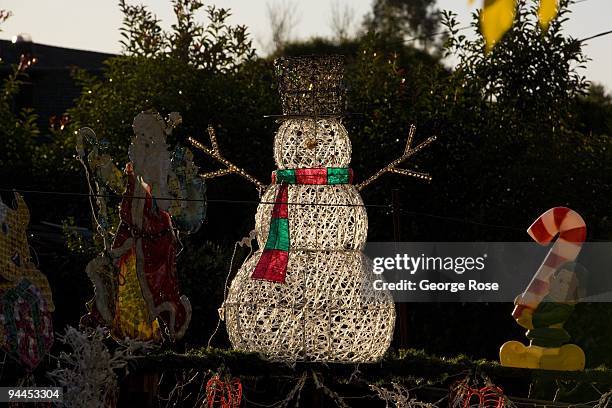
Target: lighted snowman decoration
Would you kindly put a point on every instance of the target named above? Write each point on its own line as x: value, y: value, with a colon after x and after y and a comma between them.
x: 307, y: 293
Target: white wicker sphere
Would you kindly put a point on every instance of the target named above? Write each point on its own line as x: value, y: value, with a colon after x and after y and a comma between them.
x: 339, y: 221
x: 312, y: 143
x: 326, y: 310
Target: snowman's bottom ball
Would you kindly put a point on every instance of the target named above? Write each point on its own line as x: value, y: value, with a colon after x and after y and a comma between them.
x: 326, y: 310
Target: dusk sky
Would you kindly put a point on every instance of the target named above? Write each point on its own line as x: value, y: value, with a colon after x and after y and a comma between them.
x: 94, y: 24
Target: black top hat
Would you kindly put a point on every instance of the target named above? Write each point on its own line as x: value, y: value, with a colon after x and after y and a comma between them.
x: 311, y: 85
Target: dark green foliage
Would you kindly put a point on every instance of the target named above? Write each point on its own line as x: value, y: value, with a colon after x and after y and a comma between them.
x: 215, y: 47
x: 208, y: 74
x: 397, y: 19
x: 532, y: 78
x: 519, y: 132
x: 18, y: 131
x: 511, y: 145
x: 594, y: 112
x: 203, y: 269
x: 414, y: 369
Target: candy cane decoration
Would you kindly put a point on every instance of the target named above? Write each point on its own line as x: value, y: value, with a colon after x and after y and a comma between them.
x: 572, y: 232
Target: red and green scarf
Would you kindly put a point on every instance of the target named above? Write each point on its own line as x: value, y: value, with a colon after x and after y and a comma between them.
x: 272, y: 265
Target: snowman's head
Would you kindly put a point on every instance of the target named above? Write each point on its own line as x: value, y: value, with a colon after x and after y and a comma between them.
x: 312, y: 143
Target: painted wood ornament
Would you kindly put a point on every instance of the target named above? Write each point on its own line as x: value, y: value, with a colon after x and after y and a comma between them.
x: 26, y: 303
x: 549, y: 299
x: 137, y: 291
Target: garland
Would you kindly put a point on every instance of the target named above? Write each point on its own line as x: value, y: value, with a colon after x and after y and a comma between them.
x: 408, y: 363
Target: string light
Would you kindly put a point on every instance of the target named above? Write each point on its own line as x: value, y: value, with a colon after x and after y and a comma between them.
x: 409, y: 151
x: 215, y: 153
x: 305, y: 294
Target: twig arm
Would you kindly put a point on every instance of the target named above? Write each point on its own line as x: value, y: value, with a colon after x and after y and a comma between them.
x: 215, y: 153
x: 409, y: 151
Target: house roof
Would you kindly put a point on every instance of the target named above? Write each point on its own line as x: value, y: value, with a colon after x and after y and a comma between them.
x: 51, y: 57
x: 49, y: 87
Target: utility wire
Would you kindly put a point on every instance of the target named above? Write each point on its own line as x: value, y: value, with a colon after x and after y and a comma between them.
x: 597, y: 36
x: 426, y: 37
x: 388, y: 207
x: 225, y: 201
x: 446, y: 32
x: 229, y: 201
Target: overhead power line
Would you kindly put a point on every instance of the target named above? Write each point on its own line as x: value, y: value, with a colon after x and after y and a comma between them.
x: 597, y: 36
x: 447, y: 32
x: 229, y: 201
x: 222, y: 201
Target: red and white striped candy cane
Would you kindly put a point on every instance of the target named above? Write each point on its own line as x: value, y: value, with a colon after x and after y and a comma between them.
x: 572, y: 232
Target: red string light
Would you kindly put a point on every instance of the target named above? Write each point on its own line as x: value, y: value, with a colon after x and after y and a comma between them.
x: 223, y: 394
x: 465, y: 396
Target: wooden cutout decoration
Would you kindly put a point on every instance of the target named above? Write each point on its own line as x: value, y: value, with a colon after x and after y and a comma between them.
x: 188, y: 210
x: 137, y: 293
x: 26, y: 303
x: 549, y: 299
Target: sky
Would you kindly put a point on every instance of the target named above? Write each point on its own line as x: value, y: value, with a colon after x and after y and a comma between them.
x: 94, y: 24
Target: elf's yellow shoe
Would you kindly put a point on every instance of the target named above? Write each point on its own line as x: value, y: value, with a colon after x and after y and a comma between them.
x: 568, y: 357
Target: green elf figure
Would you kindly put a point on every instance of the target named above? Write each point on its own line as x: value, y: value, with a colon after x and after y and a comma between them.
x: 548, y: 348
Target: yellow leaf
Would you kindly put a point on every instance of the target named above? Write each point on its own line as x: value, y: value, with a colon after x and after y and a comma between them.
x: 496, y: 18
x: 547, y: 11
